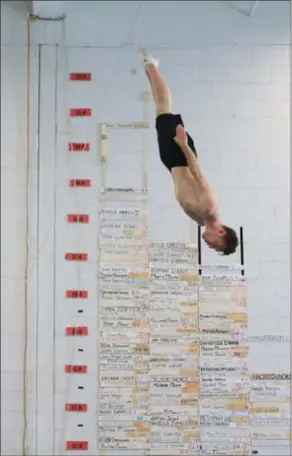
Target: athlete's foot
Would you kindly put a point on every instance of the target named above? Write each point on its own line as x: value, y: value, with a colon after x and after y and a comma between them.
x: 148, y: 58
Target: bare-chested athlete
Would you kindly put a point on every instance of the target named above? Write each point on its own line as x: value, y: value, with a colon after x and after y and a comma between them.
x: 179, y: 155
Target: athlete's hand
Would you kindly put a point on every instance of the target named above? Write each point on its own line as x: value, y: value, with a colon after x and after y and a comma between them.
x: 181, y: 137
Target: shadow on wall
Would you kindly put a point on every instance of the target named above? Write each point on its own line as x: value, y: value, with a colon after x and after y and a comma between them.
x: 20, y: 7
x: 248, y: 8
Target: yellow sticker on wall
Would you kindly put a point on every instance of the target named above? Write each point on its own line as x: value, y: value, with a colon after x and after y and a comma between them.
x: 190, y: 387
x: 265, y: 410
x: 194, y: 349
x: 238, y: 317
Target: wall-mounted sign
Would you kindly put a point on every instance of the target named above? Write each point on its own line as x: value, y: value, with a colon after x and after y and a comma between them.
x: 80, y: 112
x: 76, y: 256
x: 78, y: 147
x: 76, y: 294
x: 122, y: 193
x: 77, y: 331
x: 79, y: 183
x: 80, y: 76
x: 75, y: 369
x: 78, y: 218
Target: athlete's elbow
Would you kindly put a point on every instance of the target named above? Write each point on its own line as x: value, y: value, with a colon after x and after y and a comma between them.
x: 178, y: 198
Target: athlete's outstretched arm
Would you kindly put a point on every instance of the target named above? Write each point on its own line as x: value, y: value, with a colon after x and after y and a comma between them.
x: 207, y: 198
x: 182, y: 141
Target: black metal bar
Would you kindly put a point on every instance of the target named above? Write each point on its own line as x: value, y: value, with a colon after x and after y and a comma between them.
x: 241, y: 250
x: 199, y: 250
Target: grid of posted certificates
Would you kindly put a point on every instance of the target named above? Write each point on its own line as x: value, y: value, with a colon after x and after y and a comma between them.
x: 173, y: 348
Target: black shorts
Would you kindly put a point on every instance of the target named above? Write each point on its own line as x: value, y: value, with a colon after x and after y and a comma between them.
x: 170, y: 153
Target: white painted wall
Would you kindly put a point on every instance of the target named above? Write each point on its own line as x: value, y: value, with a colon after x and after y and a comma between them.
x: 13, y: 217
x: 18, y: 315
x: 230, y: 79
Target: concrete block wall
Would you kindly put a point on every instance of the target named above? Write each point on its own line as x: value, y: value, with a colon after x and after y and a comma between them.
x: 232, y: 88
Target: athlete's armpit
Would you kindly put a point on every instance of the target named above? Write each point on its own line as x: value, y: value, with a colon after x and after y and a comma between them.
x: 209, y: 205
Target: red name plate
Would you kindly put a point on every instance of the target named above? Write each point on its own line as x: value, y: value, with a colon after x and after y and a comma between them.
x: 79, y: 147
x: 77, y: 331
x: 76, y: 256
x: 75, y: 294
x: 78, y: 218
x: 75, y: 369
x: 80, y: 112
x: 80, y: 76
x: 72, y: 445
x: 76, y: 407
x: 80, y: 183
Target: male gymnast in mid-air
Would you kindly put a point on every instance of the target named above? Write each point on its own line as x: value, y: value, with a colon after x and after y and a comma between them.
x: 179, y: 155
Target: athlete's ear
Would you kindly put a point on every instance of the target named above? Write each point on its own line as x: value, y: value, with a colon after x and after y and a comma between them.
x: 221, y: 231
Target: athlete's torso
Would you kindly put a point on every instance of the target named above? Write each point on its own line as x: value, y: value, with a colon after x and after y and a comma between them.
x: 198, y: 201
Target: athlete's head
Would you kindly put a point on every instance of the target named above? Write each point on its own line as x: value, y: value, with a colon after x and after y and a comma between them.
x: 221, y: 238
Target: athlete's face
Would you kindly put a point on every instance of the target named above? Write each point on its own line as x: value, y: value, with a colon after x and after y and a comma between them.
x: 214, y: 238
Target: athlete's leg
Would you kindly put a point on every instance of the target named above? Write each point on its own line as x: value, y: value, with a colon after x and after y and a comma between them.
x: 160, y: 90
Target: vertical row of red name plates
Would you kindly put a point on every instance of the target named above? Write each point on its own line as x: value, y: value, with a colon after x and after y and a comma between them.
x: 73, y: 331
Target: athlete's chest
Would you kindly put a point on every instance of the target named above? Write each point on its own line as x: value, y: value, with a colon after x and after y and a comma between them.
x: 190, y: 193
x: 197, y: 202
